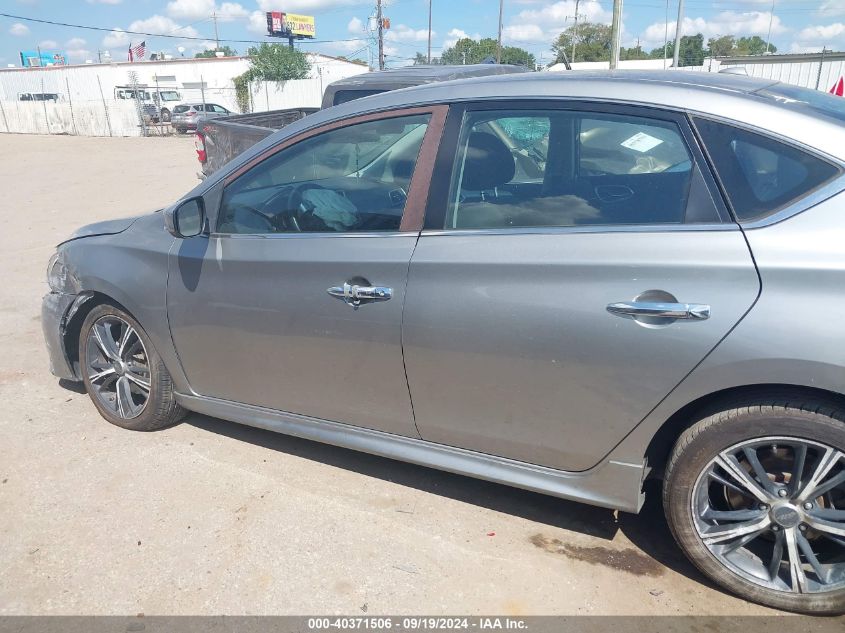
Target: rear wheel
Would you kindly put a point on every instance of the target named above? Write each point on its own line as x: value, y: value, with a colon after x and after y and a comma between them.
x: 123, y: 374
x: 755, y: 496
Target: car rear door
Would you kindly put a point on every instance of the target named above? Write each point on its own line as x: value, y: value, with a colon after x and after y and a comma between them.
x: 576, y: 264
x: 294, y: 302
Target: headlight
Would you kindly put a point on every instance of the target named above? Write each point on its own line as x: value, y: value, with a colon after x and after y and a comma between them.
x: 57, y: 274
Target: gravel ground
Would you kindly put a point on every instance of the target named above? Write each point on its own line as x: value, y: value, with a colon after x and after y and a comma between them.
x: 210, y: 517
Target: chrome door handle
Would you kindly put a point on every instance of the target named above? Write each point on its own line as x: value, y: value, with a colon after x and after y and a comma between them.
x: 353, y: 294
x: 694, y: 311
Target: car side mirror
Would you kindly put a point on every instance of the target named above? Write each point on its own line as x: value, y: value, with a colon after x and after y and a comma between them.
x: 186, y: 219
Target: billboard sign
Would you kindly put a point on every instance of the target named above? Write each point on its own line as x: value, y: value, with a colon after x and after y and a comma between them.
x: 34, y: 59
x: 290, y: 24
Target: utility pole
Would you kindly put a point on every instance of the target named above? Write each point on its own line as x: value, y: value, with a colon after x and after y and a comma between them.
x: 616, y: 34
x: 679, y: 28
x: 666, y: 36
x: 380, y: 22
x: 575, y: 31
x: 429, y: 31
x: 216, y: 36
x: 769, y: 36
x: 499, y: 42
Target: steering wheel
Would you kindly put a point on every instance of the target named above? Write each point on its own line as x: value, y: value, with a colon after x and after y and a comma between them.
x: 300, y: 215
x: 237, y: 207
x: 286, y: 219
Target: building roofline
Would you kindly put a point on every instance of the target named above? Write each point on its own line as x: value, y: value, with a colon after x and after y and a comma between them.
x: 777, y: 58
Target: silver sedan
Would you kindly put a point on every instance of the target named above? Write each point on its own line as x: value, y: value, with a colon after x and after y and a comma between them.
x: 567, y: 283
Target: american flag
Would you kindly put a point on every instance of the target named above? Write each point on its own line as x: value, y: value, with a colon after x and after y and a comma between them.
x: 137, y: 52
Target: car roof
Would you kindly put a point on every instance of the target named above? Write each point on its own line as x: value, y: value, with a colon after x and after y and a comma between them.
x: 740, y: 99
x: 426, y: 73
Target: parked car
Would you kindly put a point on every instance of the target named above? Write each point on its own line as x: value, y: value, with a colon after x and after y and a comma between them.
x: 219, y: 142
x: 567, y: 283
x: 186, y: 115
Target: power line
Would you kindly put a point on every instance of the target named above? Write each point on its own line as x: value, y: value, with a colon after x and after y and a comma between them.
x: 175, y: 37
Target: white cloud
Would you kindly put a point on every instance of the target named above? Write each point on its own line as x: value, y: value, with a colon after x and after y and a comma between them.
x: 355, y: 26
x: 116, y: 39
x: 76, y: 51
x: 830, y: 8
x: 304, y: 6
x: 724, y: 23
x: 454, y: 35
x: 257, y: 23
x: 192, y: 10
x: 544, y: 24
x: 45, y: 44
x: 823, y: 33
x: 19, y: 29
x: 403, y: 33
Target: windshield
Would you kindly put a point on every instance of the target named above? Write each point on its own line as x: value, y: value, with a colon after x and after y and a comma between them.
x: 806, y: 99
x: 170, y: 95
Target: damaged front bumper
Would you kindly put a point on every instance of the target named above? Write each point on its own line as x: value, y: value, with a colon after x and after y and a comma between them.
x: 57, y: 310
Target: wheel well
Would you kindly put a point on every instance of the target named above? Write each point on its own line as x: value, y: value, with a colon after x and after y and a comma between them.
x: 663, y: 442
x: 73, y: 327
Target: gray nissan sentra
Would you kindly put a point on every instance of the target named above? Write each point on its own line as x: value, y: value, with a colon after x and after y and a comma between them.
x: 567, y: 283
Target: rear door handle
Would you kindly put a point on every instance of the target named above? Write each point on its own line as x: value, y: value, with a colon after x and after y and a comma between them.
x: 693, y: 311
x: 353, y: 294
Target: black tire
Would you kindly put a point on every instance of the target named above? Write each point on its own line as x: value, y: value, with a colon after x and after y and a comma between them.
x: 815, y: 422
x: 165, y: 115
x: 160, y: 409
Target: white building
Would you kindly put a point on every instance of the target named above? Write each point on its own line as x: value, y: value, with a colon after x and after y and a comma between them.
x: 191, y: 78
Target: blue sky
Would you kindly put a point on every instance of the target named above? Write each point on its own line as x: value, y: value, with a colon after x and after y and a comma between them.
x: 797, y: 25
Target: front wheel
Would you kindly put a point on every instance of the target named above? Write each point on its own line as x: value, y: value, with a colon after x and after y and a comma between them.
x: 755, y: 496
x: 165, y: 115
x: 123, y: 374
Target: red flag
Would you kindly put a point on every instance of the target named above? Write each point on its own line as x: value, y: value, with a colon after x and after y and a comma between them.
x: 838, y: 88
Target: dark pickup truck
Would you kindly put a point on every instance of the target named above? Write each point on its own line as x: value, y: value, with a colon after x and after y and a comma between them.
x: 220, y: 140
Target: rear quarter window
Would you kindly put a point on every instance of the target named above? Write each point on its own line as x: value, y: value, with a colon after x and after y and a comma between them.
x: 761, y: 175
x: 181, y: 109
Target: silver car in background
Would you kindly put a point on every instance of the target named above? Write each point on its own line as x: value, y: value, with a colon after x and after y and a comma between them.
x: 186, y: 115
x: 567, y: 283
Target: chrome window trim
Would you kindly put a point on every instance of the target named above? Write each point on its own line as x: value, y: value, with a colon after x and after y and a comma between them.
x: 595, y: 228
x: 313, y: 235
x: 831, y: 189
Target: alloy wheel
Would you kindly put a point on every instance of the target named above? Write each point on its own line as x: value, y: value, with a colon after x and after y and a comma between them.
x: 772, y: 510
x: 118, y: 367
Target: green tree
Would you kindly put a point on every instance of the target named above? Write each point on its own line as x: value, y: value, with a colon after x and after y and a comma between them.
x: 421, y: 59
x: 691, y: 53
x: 635, y: 52
x: 270, y: 62
x: 468, y: 51
x: 226, y: 50
x: 754, y: 45
x: 592, y: 43
x: 277, y: 62
x: 721, y: 46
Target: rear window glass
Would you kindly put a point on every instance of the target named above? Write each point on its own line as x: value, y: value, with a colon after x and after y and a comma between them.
x: 761, y: 175
x: 798, y: 98
x: 181, y: 109
x: 344, y: 96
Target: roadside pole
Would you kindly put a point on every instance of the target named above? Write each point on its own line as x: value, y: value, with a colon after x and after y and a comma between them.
x: 44, y: 103
x: 70, y: 103
x: 429, y: 31
x: 105, y: 107
x: 380, y: 25
x: 3, y: 112
x: 615, y: 34
x: 202, y: 92
x: 499, y: 40
x: 678, y: 33
x: 821, y: 63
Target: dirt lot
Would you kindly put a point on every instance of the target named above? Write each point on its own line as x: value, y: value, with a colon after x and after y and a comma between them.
x: 210, y: 517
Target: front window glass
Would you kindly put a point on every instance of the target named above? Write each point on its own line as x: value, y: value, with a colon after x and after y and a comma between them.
x: 526, y: 168
x: 354, y: 178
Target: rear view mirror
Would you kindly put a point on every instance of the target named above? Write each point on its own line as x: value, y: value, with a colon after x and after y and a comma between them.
x: 187, y: 219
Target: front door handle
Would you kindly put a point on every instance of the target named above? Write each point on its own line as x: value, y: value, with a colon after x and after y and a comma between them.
x: 353, y: 294
x: 693, y: 311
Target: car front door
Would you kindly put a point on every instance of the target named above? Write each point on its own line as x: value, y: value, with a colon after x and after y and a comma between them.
x: 576, y: 265
x: 294, y: 301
